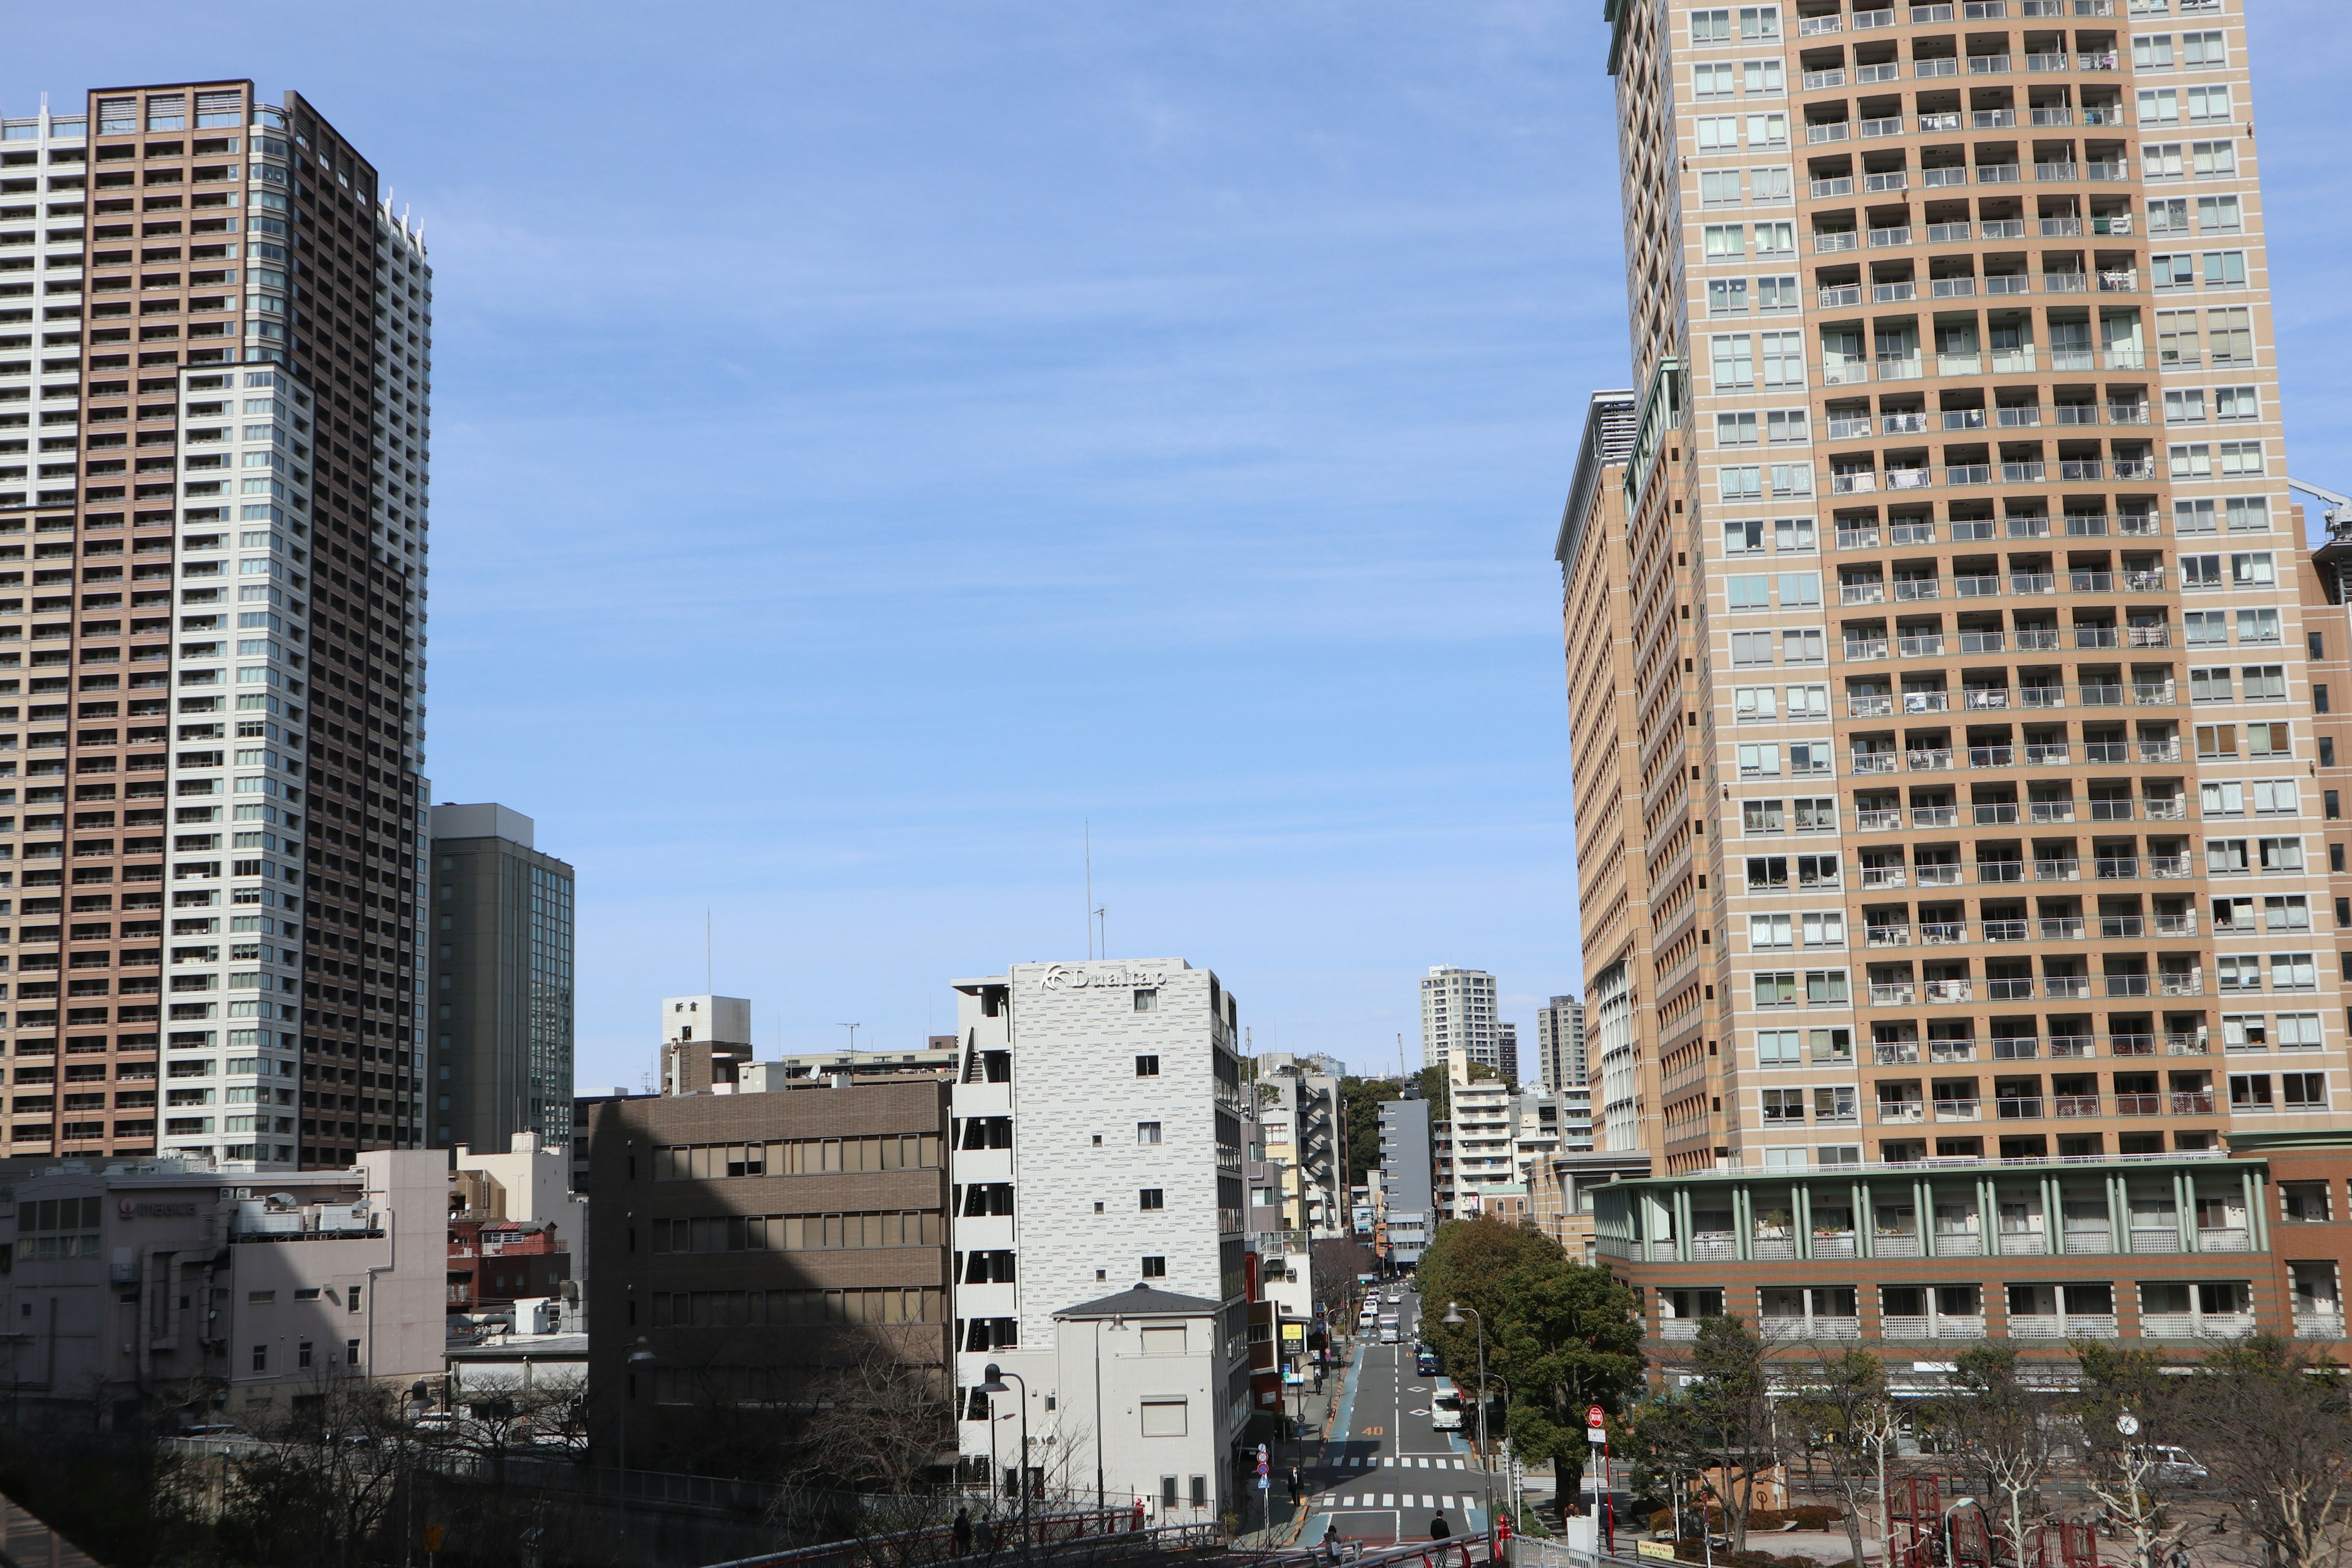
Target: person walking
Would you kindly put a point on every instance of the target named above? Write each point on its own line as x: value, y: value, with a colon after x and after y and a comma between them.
x: 1331, y: 1544
x: 964, y: 1532
x: 1437, y: 1530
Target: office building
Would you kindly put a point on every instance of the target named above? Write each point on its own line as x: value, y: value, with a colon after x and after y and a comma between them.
x: 1298, y: 1109
x: 170, y: 1290
x: 227, y: 492
x: 1559, y: 1044
x: 744, y: 1243
x: 1102, y: 1102
x: 502, y: 981
x: 1947, y: 611
x: 1457, y: 1013
x: 1408, y: 1193
x: 705, y: 1041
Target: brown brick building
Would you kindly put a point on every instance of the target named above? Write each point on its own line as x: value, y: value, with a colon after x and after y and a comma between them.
x: 746, y: 1242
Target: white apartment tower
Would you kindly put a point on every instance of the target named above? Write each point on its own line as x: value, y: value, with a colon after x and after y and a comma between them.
x: 1457, y: 1013
x: 215, y: 341
x: 1559, y: 1044
x: 1097, y: 1147
x: 1961, y: 674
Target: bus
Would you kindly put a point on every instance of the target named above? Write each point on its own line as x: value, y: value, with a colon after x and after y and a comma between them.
x: 1445, y: 1406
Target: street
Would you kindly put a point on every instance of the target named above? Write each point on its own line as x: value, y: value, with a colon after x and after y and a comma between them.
x: 1385, y: 1471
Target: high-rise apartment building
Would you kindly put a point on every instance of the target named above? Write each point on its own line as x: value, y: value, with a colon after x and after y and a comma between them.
x: 1949, y: 782
x: 215, y: 395
x: 1559, y: 1044
x: 1408, y: 1206
x: 1099, y: 1149
x: 502, y: 981
x: 1506, y: 1052
x: 1457, y: 1013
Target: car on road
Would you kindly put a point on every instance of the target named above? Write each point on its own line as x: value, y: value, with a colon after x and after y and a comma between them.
x: 1388, y: 1333
x: 2176, y: 1467
x: 1445, y: 1406
x: 1425, y: 1360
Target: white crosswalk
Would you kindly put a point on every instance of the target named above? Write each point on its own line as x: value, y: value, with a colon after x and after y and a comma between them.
x: 1389, y: 1499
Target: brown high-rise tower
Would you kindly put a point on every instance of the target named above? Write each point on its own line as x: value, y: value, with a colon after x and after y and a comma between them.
x: 213, y: 430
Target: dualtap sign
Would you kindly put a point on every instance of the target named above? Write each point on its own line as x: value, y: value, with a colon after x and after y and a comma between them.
x: 1079, y: 976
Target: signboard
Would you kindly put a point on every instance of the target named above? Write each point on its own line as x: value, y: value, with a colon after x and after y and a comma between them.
x: 1665, y: 1549
x: 1293, y: 1330
x: 1593, y: 1419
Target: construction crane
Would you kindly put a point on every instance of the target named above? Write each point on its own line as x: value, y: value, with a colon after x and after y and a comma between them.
x: 2339, y: 507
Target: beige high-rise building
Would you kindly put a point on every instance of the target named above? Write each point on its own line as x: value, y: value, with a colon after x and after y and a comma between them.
x: 214, y: 362
x: 1948, y: 776
x: 1457, y: 1013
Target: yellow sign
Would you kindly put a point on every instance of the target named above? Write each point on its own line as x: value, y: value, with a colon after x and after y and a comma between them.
x: 1665, y: 1549
x: 1293, y: 1330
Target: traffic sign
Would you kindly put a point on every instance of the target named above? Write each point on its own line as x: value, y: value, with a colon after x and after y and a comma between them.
x: 1594, y: 1418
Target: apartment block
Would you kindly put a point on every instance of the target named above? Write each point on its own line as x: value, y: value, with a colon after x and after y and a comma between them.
x: 228, y: 492
x: 744, y: 1243
x: 1458, y: 1013
x: 1948, y: 595
x: 1098, y: 1145
x: 1408, y: 1189
x: 1559, y: 1044
x: 1299, y: 1111
x: 1476, y: 1142
x: 168, y: 1289
x: 502, y: 981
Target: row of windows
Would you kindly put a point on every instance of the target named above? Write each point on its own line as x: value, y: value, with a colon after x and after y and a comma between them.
x: 795, y: 1233
x: 788, y: 1308
x: 795, y: 1157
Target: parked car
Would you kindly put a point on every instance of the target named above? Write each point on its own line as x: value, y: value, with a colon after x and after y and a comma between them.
x: 1425, y: 1360
x: 2176, y: 1467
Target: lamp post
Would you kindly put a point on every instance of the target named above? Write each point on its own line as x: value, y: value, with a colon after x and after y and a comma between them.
x: 994, y: 1386
x: 1453, y: 1318
x: 638, y: 1358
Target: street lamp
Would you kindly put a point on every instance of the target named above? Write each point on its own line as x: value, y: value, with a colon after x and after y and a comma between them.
x: 638, y: 1358
x: 995, y: 1385
x: 1453, y: 1318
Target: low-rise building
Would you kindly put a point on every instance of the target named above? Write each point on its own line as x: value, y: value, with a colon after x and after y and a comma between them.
x: 169, y: 1287
x: 1144, y: 1371
x: 1917, y: 1259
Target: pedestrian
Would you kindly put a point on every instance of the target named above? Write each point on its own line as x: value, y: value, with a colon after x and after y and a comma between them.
x: 1437, y: 1530
x: 988, y: 1537
x: 2179, y: 1554
x: 1331, y: 1544
x: 1297, y: 1487
x: 964, y: 1532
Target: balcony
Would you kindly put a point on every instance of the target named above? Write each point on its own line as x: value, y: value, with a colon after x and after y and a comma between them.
x: 2318, y: 1325
x: 2063, y: 1326
x: 2222, y: 1239
x: 1939, y: 1327
x: 2196, y: 1325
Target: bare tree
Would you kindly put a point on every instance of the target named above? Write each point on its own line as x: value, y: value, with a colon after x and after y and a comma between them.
x: 875, y: 1423
x: 1843, y: 1410
x: 2001, y: 1429
x: 318, y: 1492
x: 2272, y: 1424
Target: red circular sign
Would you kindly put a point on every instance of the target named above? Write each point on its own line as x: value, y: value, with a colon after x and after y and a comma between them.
x: 1593, y: 1419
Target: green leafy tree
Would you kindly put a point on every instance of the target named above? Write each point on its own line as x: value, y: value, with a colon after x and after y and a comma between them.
x: 1360, y: 1110
x: 1717, y: 1431
x: 1569, y: 1337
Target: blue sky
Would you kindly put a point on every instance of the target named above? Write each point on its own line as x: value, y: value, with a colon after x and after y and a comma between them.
x: 872, y: 441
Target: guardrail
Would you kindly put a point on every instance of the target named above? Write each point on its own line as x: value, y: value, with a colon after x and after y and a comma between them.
x: 1037, y: 1539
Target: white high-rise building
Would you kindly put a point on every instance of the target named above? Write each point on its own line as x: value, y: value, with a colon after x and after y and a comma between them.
x: 1457, y: 1013
x: 1098, y: 1117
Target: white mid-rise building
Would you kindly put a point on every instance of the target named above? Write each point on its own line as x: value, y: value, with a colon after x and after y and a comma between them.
x: 1476, y: 1143
x: 1457, y: 1013
x: 1097, y: 1132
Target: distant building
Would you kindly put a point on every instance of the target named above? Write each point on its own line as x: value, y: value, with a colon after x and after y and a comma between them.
x: 1407, y: 1201
x: 938, y: 1057
x: 516, y: 1228
x: 1298, y: 1106
x: 1476, y: 1143
x: 745, y: 1242
x: 502, y: 981
x: 1559, y: 1044
x: 228, y: 1296
x: 705, y: 1040
x: 1457, y: 1013
x: 1506, y: 1052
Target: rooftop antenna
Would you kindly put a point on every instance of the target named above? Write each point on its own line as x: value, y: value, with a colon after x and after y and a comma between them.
x: 1088, y: 827
x: 1401, y: 1072
x: 1102, y: 922
x: 853, y: 1029
x: 707, y: 988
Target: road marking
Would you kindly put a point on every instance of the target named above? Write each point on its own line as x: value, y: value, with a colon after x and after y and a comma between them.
x: 1387, y: 1500
x: 1388, y: 1459
x: 1445, y: 1502
x: 1457, y: 1464
x: 1427, y: 1501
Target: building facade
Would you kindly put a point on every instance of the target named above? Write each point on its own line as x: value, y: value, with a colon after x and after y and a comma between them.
x: 502, y: 981
x: 229, y: 493
x: 1408, y: 1189
x: 705, y: 1040
x: 1947, y: 596
x: 1477, y: 1142
x: 169, y: 1287
x: 1559, y: 1044
x: 1098, y: 1145
x: 746, y: 1242
x: 1298, y: 1112
x: 1457, y: 1013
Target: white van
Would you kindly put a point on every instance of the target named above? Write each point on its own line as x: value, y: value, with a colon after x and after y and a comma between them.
x: 1445, y: 1406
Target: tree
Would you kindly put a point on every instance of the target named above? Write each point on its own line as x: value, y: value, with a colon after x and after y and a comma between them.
x: 2272, y: 1422
x: 2002, y: 1431
x: 876, y: 1424
x: 1566, y: 1338
x: 2121, y: 1467
x: 1717, y: 1429
x: 318, y: 1492
x: 1845, y: 1417
x: 1360, y: 1114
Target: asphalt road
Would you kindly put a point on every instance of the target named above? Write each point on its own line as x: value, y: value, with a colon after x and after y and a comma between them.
x: 1386, y: 1472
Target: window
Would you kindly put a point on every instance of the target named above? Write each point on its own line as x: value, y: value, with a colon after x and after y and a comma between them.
x: 1792, y: 479
x: 1715, y: 81
x: 1747, y: 592
x: 2240, y: 457
x: 1720, y: 133
x: 1793, y: 535
x: 2204, y: 51
x: 1809, y: 759
x: 2206, y: 627
x: 1762, y: 75
x: 1803, y: 647
x: 2166, y: 214
x: 1776, y: 238
x: 1774, y: 294
x: 2286, y: 911
x: 1823, y: 929
x: 1776, y: 989
x: 351, y: 1352
x: 1751, y: 647
x: 2217, y: 215
x: 1767, y: 131
x: 2298, y: 1032
x: 1761, y: 817
x: 2184, y: 408
x: 2303, y: 1090
x: 2224, y: 855
x: 1759, y: 761
x: 2277, y: 796
x: 1726, y: 297
x: 1152, y: 1198
x: 1718, y: 187
x: 1710, y: 27
x: 2210, y: 684
x: 2194, y: 462
x: 2280, y: 854
x: 2209, y: 103
x: 2159, y: 106
x: 1785, y: 425
x: 1155, y: 1268
x: 2225, y: 268
x: 302, y: 1354
x: 1818, y: 871
x: 1817, y: 814
x: 352, y: 1298
x: 1784, y: 1105
x: 1164, y: 1418
x: 1146, y: 1066
x: 1756, y: 702
x: 2152, y: 51
x: 1735, y: 430
x: 2270, y: 741
x: 2250, y: 1091
x: 1768, y: 932
x: 2247, y: 514
x: 1146, y: 1132
x: 1784, y: 359
x: 2263, y: 682
x: 261, y: 1358
x: 2221, y: 797
x: 2237, y: 402
x: 1726, y: 241
x: 1836, y: 1104
x: 2160, y: 160
x: 1777, y: 1047
x: 1147, y: 1000
x: 2176, y: 270
x: 2294, y: 972
x: 2176, y: 338
x: 1770, y: 186
x: 2253, y: 570
x: 1766, y: 871
x: 1825, y: 987
x: 2258, y: 626
x: 1733, y: 360
x: 1801, y: 589
x: 2236, y: 973
x: 1832, y: 1045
